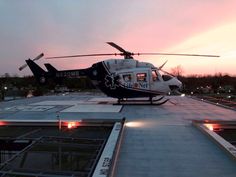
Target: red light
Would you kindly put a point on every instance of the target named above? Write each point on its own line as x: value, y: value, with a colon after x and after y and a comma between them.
x: 71, y: 125
x: 2, y: 123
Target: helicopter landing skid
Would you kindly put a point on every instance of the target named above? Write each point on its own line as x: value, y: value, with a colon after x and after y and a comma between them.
x: 142, y: 102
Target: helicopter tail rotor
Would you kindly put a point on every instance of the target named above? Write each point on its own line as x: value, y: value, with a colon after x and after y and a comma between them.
x: 36, y: 58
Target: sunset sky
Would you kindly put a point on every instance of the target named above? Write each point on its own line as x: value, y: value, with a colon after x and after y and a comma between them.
x: 67, y: 27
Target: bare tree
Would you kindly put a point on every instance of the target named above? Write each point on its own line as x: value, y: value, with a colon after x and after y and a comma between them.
x: 6, y: 75
x: 177, y: 71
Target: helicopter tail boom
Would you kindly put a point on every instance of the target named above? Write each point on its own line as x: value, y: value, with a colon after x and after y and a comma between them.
x: 43, y: 76
x: 65, y: 73
x: 39, y: 73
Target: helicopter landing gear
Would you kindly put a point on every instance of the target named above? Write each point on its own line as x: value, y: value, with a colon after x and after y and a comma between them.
x: 119, y: 100
x: 158, y: 99
x: 154, y: 102
x: 150, y: 101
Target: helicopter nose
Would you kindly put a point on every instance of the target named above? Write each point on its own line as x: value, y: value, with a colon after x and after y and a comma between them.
x: 177, y: 86
x: 181, y: 87
x: 174, y: 87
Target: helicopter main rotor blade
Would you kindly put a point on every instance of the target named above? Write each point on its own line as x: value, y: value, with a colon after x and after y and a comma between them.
x: 87, y: 55
x: 36, y: 58
x: 117, y: 47
x: 167, y: 72
x: 177, y: 54
x: 125, y: 53
x: 160, y: 67
x: 129, y: 54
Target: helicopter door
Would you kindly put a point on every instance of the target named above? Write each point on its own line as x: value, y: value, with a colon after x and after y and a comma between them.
x: 142, y: 80
x: 127, y: 79
x: 156, y: 80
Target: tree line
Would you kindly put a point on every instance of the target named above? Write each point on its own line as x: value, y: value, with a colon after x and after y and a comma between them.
x: 214, y: 82
x: 191, y: 83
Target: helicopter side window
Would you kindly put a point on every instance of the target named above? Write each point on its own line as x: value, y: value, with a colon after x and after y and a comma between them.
x: 141, y: 77
x: 154, y: 76
x: 127, y: 77
x: 166, y: 77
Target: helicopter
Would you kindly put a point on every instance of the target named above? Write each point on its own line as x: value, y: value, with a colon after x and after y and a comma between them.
x: 118, y: 78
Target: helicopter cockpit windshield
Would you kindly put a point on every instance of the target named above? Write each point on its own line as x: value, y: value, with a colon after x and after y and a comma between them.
x: 154, y: 75
x: 165, y: 76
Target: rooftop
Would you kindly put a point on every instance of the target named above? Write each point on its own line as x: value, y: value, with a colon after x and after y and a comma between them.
x: 157, y: 140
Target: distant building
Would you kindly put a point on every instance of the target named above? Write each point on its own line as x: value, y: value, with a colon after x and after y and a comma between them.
x: 226, y: 89
x: 61, y: 89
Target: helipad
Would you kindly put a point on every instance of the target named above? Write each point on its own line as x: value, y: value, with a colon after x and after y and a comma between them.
x: 157, y: 140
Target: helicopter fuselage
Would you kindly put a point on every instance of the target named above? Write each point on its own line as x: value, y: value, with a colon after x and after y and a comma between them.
x: 130, y: 78
x: 118, y: 78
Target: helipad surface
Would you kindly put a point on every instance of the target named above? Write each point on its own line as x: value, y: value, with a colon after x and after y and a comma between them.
x: 158, y: 140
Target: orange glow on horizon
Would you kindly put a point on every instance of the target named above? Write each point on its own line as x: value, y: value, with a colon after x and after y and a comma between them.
x: 217, y: 41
